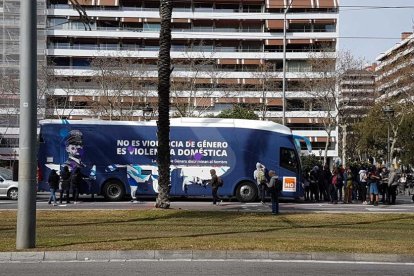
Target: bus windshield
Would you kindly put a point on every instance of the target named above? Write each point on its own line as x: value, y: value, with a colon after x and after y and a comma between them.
x: 289, y: 159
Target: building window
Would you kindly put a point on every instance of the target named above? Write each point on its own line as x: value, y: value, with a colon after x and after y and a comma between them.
x: 151, y: 27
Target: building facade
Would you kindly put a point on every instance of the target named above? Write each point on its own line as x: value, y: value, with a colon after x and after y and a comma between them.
x: 395, y: 70
x: 357, y: 94
x: 102, y: 59
x: 357, y: 97
x: 9, y: 74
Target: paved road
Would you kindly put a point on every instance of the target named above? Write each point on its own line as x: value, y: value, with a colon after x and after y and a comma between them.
x: 404, y: 205
x: 220, y: 268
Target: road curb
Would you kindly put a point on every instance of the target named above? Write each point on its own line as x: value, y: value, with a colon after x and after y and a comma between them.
x: 194, y: 255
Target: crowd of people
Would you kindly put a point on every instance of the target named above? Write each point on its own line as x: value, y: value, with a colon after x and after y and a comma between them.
x: 64, y: 183
x: 369, y: 185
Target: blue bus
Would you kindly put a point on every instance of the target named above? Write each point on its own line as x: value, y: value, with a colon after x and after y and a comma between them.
x: 116, y: 157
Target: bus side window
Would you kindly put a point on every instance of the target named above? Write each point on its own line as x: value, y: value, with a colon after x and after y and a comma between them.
x: 288, y: 159
x: 146, y: 172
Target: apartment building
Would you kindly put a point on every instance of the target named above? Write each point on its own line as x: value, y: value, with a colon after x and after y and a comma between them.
x: 357, y: 93
x: 357, y: 97
x: 9, y: 73
x: 224, y: 52
x: 395, y: 69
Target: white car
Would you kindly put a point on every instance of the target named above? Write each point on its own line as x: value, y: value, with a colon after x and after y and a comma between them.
x: 8, y: 187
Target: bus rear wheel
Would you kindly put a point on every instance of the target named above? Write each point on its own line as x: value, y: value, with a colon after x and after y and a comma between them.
x: 246, y: 192
x: 114, y: 190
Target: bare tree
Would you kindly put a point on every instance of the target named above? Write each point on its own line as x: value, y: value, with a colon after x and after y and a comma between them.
x: 9, y: 104
x: 194, y: 87
x: 122, y: 87
x: 83, y: 16
x: 57, y: 105
x: 323, y: 86
x: 265, y: 85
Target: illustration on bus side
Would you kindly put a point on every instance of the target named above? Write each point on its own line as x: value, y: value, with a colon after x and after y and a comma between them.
x: 147, y: 176
x: 72, y: 142
x: 144, y: 176
x: 120, y: 158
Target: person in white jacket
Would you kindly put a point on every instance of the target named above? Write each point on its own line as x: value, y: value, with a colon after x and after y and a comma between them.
x: 259, y: 176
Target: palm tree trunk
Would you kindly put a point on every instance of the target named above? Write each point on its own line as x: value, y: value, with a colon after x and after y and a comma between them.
x: 163, y: 132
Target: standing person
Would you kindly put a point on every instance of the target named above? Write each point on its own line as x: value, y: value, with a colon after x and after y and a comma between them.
x: 348, y: 185
x: 356, y: 193
x: 333, y: 188
x: 392, y: 186
x: 53, y: 186
x: 259, y: 176
x: 383, y: 188
x: 403, y: 182
x: 363, y: 185
x: 75, y: 182
x: 275, y: 186
x: 374, y: 178
x: 65, y: 178
x: 340, y: 184
x: 314, y: 179
x: 215, y: 184
x: 326, y: 176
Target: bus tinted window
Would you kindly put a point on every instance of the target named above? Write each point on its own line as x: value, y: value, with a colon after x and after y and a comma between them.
x: 288, y: 159
x: 146, y: 172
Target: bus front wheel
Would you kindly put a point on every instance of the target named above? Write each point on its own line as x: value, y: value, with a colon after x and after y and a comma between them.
x: 114, y: 190
x: 246, y: 192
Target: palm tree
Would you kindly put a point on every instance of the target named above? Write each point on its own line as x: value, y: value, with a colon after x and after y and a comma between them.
x: 163, y: 132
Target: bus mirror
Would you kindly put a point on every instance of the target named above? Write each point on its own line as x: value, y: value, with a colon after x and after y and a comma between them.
x: 297, y: 139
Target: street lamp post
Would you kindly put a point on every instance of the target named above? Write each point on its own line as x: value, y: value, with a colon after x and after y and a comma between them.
x: 389, y: 113
x: 147, y: 112
x: 284, y: 63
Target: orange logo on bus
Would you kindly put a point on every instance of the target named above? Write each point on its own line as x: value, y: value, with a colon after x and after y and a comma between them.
x: 289, y: 184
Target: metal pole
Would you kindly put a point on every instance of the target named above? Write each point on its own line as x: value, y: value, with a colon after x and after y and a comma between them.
x: 26, y: 213
x: 284, y: 70
x: 388, y: 146
x: 284, y: 64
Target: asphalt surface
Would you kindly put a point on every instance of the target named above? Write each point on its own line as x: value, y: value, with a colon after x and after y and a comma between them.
x: 404, y: 205
x: 205, y: 267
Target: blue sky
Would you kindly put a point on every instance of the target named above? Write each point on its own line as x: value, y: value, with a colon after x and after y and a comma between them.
x: 359, y: 22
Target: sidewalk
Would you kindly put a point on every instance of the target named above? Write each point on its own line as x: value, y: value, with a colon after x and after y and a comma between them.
x: 159, y: 255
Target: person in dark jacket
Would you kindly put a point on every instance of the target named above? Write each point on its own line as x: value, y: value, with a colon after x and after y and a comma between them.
x: 214, y: 186
x: 65, y: 178
x: 75, y: 182
x: 274, y: 186
x: 53, y: 186
x: 314, y: 188
x: 325, y: 187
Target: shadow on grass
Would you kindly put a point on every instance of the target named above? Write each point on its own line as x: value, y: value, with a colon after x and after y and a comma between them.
x: 291, y: 226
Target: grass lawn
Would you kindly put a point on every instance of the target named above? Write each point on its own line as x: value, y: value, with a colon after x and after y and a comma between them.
x: 176, y: 229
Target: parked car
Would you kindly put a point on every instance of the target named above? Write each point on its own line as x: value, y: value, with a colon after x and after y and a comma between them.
x: 8, y: 187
